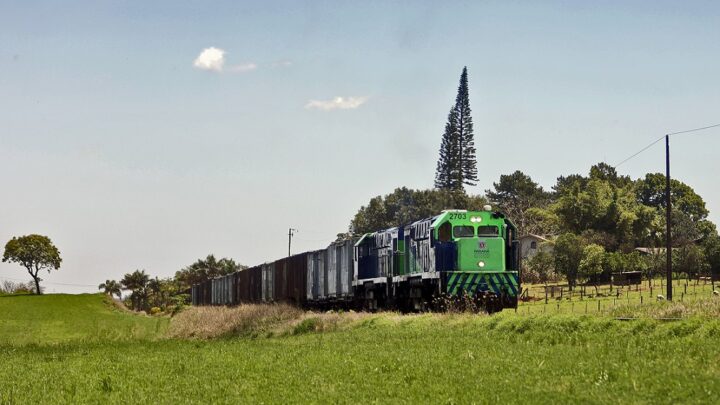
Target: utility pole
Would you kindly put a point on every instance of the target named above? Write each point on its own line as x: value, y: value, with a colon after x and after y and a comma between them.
x: 291, y: 232
x: 668, y: 219
x: 668, y: 203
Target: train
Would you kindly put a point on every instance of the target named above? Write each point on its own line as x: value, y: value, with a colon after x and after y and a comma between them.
x: 457, y: 257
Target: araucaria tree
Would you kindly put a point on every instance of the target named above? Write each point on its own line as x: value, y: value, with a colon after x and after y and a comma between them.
x: 457, y: 164
x: 35, y: 253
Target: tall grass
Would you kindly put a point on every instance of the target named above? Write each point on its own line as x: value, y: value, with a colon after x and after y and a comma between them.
x: 243, y: 320
x: 263, y: 320
x: 708, y: 308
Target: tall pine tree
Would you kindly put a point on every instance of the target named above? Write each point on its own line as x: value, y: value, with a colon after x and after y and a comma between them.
x: 448, y: 164
x: 457, y: 165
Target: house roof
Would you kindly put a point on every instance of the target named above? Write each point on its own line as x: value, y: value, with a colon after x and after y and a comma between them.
x: 650, y: 250
x: 533, y: 236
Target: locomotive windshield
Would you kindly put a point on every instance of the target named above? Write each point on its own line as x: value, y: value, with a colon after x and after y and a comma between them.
x: 488, y: 230
x: 463, y: 231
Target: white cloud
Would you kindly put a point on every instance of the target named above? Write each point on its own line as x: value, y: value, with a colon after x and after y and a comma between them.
x: 337, y: 103
x: 210, y: 59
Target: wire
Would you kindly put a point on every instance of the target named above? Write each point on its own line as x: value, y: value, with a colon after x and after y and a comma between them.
x: 641, y: 150
x: 49, y: 282
x: 693, y: 130
x: 659, y: 139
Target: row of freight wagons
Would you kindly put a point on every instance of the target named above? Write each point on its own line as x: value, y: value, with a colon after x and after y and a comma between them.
x: 311, y: 277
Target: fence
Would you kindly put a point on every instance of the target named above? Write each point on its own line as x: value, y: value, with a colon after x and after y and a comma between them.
x: 558, y: 298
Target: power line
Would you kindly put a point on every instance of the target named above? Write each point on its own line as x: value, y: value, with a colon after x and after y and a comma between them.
x: 49, y: 282
x: 662, y: 137
x: 641, y: 150
x: 693, y: 130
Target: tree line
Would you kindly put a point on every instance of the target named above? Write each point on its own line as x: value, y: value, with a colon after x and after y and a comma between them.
x: 170, y: 294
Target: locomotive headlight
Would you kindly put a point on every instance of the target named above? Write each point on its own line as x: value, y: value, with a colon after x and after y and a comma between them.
x: 475, y: 219
x: 481, y: 264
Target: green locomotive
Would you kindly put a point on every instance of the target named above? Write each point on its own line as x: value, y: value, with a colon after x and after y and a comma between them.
x: 458, y: 254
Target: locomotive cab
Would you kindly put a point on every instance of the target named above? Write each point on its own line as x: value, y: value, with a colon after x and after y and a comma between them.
x: 477, y: 254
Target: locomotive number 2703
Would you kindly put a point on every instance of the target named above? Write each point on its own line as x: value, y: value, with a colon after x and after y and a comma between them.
x: 458, y: 216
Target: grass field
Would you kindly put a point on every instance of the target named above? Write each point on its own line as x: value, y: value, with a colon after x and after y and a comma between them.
x: 384, y: 358
x: 48, y: 319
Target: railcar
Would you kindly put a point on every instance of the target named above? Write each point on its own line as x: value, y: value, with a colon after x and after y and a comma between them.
x: 456, y: 256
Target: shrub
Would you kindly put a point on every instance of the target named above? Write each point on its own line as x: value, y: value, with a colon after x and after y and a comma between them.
x: 308, y: 325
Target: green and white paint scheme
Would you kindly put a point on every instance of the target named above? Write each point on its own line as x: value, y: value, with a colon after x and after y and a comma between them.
x: 455, y: 253
x: 486, y: 258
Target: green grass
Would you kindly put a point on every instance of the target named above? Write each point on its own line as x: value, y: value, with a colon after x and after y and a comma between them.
x: 57, y: 318
x: 432, y: 358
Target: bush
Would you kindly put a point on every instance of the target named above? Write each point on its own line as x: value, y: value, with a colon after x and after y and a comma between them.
x: 12, y: 287
x: 308, y: 325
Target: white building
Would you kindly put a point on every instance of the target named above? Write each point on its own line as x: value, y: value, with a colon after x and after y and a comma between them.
x: 531, y: 244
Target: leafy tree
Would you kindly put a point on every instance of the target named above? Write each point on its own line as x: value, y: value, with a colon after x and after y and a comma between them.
x: 591, y: 264
x: 584, y: 207
x: 35, y: 253
x: 616, y: 262
x: 457, y: 165
x: 605, y: 172
x: 634, y: 261
x: 206, y: 269
x: 405, y: 205
x: 111, y: 287
x: 691, y: 260
x: 684, y: 230
x: 515, y: 194
x: 711, y: 248
x: 650, y: 191
x: 540, y: 267
x: 565, y: 184
x: 172, y: 295
x: 568, y: 252
x: 541, y: 221
x: 605, y: 204
x: 605, y: 239
x: 655, y: 263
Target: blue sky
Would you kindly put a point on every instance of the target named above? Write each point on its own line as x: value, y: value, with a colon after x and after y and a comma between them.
x: 128, y: 156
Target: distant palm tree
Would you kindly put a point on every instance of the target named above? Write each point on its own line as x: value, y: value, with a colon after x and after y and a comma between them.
x: 111, y: 288
x: 155, y: 288
x: 137, y: 282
